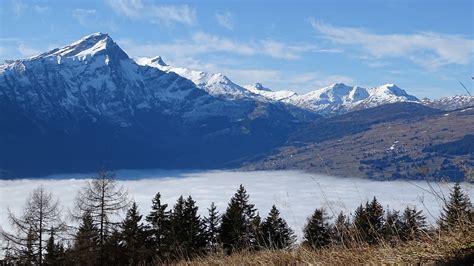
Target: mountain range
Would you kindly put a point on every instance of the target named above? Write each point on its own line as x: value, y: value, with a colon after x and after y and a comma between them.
x: 89, y: 105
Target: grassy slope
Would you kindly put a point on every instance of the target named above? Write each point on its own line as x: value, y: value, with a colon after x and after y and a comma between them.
x: 452, y: 249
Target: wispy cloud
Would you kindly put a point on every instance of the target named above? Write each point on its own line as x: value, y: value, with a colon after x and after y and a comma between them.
x: 429, y: 49
x: 159, y: 14
x: 85, y: 17
x: 19, y: 7
x: 27, y: 51
x: 225, y: 20
x: 202, y: 43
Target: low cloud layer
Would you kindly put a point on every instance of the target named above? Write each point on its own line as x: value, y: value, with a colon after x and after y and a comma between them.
x: 296, y: 194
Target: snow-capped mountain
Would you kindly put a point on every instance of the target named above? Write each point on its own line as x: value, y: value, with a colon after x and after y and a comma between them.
x: 450, y: 102
x: 337, y: 98
x: 259, y: 89
x: 214, y: 84
x: 89, y: 105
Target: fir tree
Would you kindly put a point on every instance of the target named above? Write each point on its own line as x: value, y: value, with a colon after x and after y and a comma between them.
x: 457, y: 210
x: 393, y: 225
x: 317, y: 231
x: 114, y: 253
x: 133, y: 236
x: 238, y: 225
x: 186, y: 237
x: 159, y: 221
x: 85, y: 247
x: 369, y: 221
x: 54, y: 251
x: 212, y: 225
x: 341, y: 230
x: 276, y: 234
x: 413, y: 224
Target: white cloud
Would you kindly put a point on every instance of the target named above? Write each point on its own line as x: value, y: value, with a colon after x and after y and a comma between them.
x: 19, y: 7
x: 296, y: 194
x: 225, y: 20
x: 27, y: 51
x: 85, y: 17
x: 144, y: 10
x: 202, y: 43
x: 41, y: 9
x: 429, y: 49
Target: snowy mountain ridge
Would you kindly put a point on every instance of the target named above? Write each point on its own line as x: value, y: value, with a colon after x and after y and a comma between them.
x: 336, y: 98
x: 215, y: 84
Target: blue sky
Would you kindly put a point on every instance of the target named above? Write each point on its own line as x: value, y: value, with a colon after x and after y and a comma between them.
x: 425, y: 47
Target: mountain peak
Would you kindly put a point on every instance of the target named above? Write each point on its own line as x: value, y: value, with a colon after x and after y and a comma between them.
x: 260, y: 87
x: 89, y: 46
x: 158, y: 60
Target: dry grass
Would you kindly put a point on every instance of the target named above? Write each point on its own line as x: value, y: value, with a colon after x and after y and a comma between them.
x: 432, y: 250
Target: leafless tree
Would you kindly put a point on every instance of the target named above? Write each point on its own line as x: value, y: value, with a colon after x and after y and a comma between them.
x: 40, y: 216
x: 102, y: 197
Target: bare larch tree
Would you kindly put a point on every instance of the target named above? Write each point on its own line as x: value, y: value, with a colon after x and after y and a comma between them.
x: 41, y: 215
x: 102, y: 197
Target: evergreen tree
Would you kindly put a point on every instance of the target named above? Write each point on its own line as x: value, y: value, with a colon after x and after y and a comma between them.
x: 361, y: 223
x: 457, y: 210
x: 238, y: 223
x: 159, y: 221
x: 54, y: 251
x: 212, y: 225
x: 86, y: 247
x: 369, y: 221
x: 413, y: 224
x: 113, y: 250
x: 393, y: 225
x: 187, y: 236
x: 133, y: 236
x: 376, y: 220
x: 317, y: 231
x: 276, y: 234
x: 341, y: 230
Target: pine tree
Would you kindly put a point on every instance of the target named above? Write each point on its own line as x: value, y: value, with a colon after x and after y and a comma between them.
x: 133, y: 236
x: 393, y: 225
x: 317, y: 231
x: 413, y: 224
x: 238, y: 225
x: 186, y: 238
x: 86, y: 242
x: 341, y: 230
x: 276, y: 234
x: 457, y: 210
x: 159, y: 221
x: 369, y: 222
x: 212, y: 225
x: 361, y: 223
x: 113, y: 251
x: 54, y: 251
x: 376, y: 220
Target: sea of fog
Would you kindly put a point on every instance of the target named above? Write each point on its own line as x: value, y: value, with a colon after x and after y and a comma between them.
x: 296, y: 194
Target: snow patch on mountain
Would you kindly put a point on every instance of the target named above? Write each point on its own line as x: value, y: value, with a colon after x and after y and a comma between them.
x: 259, y: 89
x: 215, y: 84
x: 450, y: 102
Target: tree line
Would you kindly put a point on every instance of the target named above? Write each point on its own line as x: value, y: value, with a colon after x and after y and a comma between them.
x: 172, y: 233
